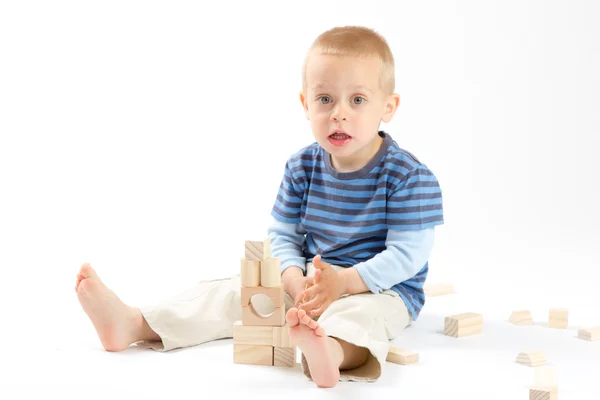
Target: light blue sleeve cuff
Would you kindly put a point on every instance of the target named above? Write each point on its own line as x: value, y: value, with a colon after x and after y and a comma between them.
x: 287, y: 243
x: 405, y: 255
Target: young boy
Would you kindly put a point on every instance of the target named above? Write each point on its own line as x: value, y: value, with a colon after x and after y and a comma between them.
x: 353, y: 226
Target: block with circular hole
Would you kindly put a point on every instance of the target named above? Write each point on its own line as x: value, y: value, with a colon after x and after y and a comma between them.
x: 251, y: 317
x: 275, y: 294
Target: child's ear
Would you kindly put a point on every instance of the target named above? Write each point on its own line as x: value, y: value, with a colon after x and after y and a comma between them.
x: 304, y: 105
x: 391, y: 105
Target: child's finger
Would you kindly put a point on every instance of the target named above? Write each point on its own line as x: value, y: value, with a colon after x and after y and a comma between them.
x: 309, y: 293
x: 312, y: 304
x: 318, y: 263
x: 317, y: 277
x: 318, y: 311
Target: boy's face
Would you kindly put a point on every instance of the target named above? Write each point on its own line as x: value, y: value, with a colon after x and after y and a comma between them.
x: 345, y: 104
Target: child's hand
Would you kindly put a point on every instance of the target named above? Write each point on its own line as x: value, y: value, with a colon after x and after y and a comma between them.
x: 297, y: 286
x: 328, y: 287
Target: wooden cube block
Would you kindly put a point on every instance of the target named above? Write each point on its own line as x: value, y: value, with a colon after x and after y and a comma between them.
x: 438, y: 289
x: 257, y: 250
x: 543, y: 393
x: 251, y: 318
x: 558, y: 318
x: 281, y: 336
x: 464, y: 324
x: 270, y: 272
x: 402, y: 356
x: 532, y: 358
x: 252, y: 354
x: 522, y: 317
x: 256, y: 335
x: 590, y: 333
x: 284, y: 356
x: 276, y: 294
x: 250, y: 272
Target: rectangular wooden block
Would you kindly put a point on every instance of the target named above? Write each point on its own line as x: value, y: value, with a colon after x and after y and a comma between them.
x: 256, y: 335
x: 252, y: 318
x: 281, y: 336
x: 464, y: 324
x: 558, y: 318
x: 252, y: 354
x: 276, y: 294
x: 591, y: 334
x: 257, y: 250
x: 522, y: 317
x: 402, y: 356
x: 284, y: 356
x: 438, y: 289
x: 542, y: 393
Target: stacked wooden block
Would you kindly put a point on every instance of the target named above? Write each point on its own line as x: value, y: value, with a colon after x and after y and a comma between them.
x: 261, y: 339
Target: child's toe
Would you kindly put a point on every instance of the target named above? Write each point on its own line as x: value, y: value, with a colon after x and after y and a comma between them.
x: 291, y: 317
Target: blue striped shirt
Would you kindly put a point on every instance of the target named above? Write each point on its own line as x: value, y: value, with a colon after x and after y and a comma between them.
x: 348, y: 217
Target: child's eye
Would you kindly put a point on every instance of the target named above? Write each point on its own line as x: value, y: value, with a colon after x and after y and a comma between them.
x: 324, y: 97
x: 359, y: 98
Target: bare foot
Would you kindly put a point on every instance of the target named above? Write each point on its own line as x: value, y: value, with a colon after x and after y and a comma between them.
x: 116, y: 323
x: 321, y: 358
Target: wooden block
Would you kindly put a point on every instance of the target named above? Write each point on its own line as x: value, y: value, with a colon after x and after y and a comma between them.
x: 544, y: 377
x: 558, y: 318
x: 257, y: 250
x: 281, y: 336
x: 252, y: 354
x: 532, y: 358
x: 250, y: 272
x: 543, y: 393
x: 590, y: 333
x: 438, y: 289
x: 522, y: 317
x: 464, y: 324
x: 402, y: 356
x: 256, y: 335
x: 270, y: 272
x: 251, y: 318
x: 276, y: 294
x: 284, y: 356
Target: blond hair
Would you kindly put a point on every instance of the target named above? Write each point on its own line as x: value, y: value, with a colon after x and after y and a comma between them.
x: 356, y: 41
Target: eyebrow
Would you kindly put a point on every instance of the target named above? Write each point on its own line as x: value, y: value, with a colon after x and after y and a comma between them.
x: 357, y: 87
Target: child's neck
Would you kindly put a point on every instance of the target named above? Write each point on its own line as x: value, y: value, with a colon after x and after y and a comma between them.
x: 358, y: 160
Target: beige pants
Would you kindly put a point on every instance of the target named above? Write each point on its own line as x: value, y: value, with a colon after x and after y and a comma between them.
x: 208, y: 310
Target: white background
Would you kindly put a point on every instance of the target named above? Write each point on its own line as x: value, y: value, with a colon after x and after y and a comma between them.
x: 149, y: 139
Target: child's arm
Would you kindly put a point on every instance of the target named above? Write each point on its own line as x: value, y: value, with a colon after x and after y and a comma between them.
x: 287, y: 243
x: 405, y: 255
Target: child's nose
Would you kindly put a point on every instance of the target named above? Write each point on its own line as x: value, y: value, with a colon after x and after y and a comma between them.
x: 338, y: 114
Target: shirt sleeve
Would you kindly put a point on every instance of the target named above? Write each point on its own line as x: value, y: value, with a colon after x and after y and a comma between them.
x: 287, y: 243
x: 416, y: 202
x: 405, y: 255
x: 288, y: 203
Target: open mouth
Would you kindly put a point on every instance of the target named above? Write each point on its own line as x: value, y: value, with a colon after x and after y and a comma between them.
x: 339, y: 135
x: 339, y: 138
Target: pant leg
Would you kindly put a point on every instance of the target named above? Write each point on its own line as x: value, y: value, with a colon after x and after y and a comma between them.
x: 367, y: 320
x: 204, y: 312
